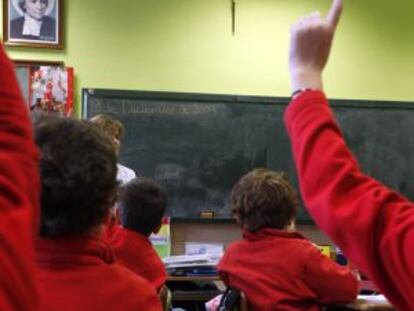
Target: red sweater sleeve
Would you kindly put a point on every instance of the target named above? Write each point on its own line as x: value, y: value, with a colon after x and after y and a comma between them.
x: 19, y: 196
x: 331, y: 282
x: 373, y: 225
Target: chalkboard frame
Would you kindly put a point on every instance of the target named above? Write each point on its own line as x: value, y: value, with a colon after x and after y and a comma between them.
x: 176, y: 96
x: 211, y: 98
x: 87, y: 93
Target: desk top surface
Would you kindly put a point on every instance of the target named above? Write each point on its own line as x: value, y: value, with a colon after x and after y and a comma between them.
x: 361, y: 304
x: 373, y: 303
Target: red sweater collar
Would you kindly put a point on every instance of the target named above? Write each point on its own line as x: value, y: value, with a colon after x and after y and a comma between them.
x: 268, y: 232
x: 73, y: 251
x: 117, y: 231
x: 139, y: 236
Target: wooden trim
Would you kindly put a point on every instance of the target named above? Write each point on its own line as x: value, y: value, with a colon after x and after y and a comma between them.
x: 28, y: 62
x: 40, y: 44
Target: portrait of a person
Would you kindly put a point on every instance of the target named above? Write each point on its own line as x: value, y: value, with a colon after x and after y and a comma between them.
x: 33, y: 20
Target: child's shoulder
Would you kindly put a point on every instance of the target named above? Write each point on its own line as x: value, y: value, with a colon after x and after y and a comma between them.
x: 297, y: 238
x: 307, y: 246
x: 291, y: 242
x: 234, y: 245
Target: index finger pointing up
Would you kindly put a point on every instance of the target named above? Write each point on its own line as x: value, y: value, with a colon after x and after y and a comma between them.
x: 334, y: 13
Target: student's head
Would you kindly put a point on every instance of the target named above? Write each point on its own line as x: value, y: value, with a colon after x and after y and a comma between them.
x: 78, y: 175
x: 34, y: 8
x: 264, y: 199
x: 142, y: 204
x: 111, y: 127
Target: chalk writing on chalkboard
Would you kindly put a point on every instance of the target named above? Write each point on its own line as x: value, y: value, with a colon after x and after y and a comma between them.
x: 197, y: 146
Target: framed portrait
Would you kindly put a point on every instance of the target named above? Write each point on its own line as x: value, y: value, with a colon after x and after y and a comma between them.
x: 33, y: 23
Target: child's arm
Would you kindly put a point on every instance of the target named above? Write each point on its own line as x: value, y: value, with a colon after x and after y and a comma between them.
x: 330, y: 281
x: 373, y: 225
x: 19, y: 196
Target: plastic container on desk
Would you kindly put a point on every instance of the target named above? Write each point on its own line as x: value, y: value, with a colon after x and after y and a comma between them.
x: 340, y: 257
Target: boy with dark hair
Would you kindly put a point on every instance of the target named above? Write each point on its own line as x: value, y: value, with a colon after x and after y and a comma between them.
x: 77, y: 269
x: 142, y: 204
x: 276, y: 267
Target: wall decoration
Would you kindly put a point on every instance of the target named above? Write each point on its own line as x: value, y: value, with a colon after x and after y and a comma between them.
x: 47, y: 89
x: 33, y: 23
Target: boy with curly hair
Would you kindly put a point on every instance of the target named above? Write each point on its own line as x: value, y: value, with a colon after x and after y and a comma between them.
x: 275, y: 266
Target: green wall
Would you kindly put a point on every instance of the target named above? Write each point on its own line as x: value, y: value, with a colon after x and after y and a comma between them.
x: 187, y: 46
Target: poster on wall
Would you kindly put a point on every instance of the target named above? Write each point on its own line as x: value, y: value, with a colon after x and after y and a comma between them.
x: 48, y: 90
x: 33, y: 23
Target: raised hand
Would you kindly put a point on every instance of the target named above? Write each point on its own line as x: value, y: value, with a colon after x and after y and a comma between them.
x: 311, y: 40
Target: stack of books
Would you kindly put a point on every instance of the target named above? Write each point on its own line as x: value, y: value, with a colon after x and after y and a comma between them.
x: 191, y: 265
x: 162, y: 240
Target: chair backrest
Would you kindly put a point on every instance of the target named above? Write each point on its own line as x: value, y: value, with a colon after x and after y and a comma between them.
x: 243, y: 305
x: 233, y: 300
x: 165, y: 297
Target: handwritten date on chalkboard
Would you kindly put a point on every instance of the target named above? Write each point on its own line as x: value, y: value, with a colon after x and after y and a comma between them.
x: 198, y: 145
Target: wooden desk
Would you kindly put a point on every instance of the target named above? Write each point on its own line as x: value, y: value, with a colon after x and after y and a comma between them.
x: 362, y: 305
x: 196, y: 295
x: 193, y: 278
x: 205, y: 295
x: 367, y: 285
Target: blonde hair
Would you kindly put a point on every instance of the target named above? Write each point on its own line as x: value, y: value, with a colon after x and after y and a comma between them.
x: 111, y: 127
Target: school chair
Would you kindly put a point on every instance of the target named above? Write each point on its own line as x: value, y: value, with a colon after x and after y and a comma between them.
x: 233, y: 300
x: 166, y: 298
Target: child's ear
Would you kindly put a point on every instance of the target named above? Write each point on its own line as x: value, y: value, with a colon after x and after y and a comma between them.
x: 238, y: 220
x: 157, y: 228
x: 117, y: 214
x: 108, y: 217
x: 292, y: 225
x: 112, y: 216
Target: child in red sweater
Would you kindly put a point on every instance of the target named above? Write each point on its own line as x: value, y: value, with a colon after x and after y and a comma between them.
x: 275, y: 266
x: 77, y: 268
x: 372, y: 224
x: 141, y: 206
x: 19, y: 196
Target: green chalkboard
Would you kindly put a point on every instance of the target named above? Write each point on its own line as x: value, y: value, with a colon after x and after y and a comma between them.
x: 198, y: 145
